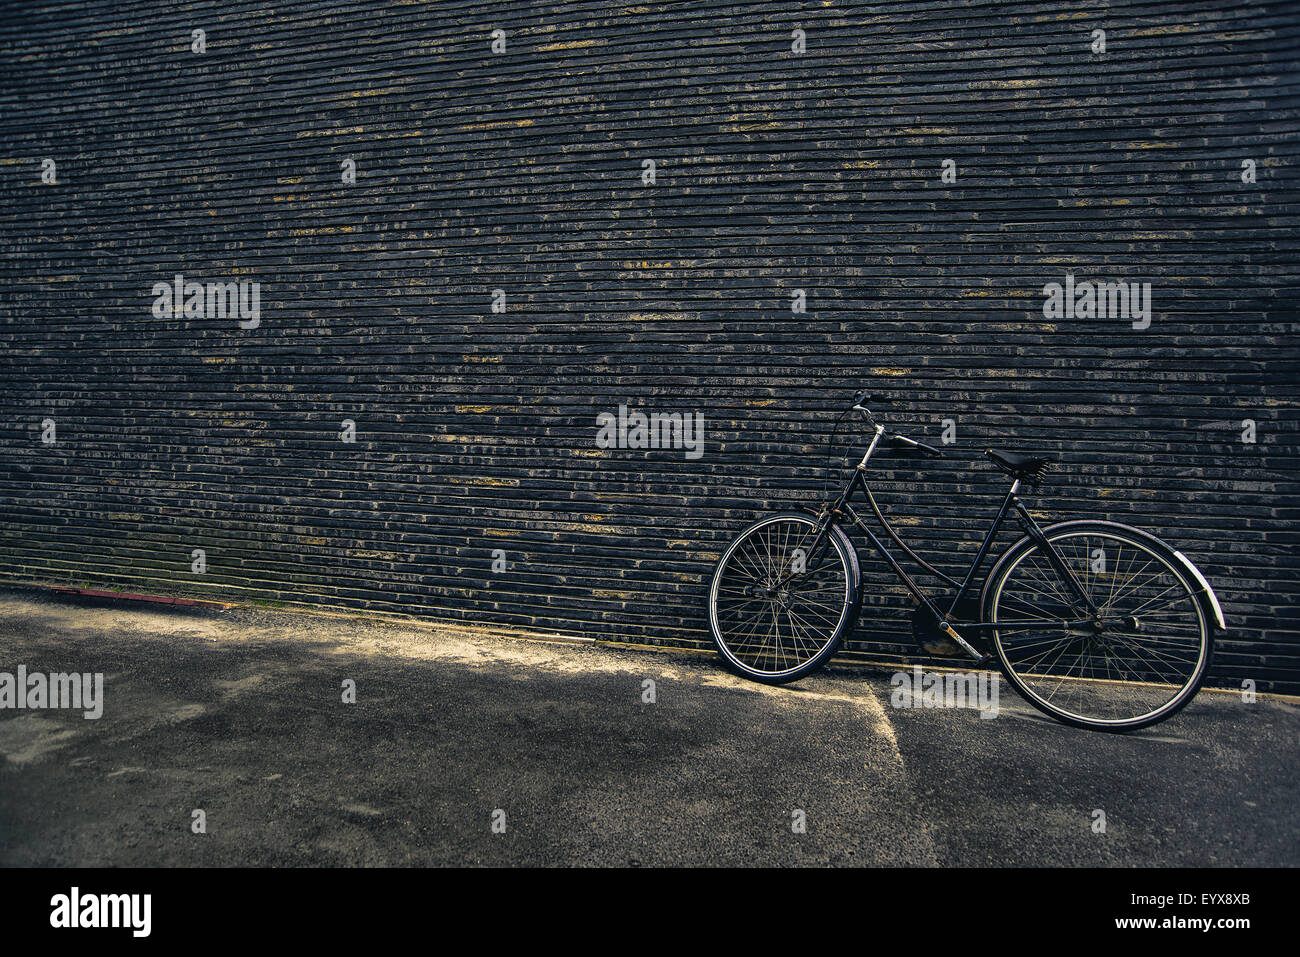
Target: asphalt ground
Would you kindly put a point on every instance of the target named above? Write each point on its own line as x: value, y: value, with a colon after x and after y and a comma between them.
x: 466, y: 748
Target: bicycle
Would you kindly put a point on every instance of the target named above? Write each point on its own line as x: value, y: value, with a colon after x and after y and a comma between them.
x: 1097, y: 624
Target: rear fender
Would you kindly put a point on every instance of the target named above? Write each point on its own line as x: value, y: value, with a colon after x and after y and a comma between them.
x: 1205, y: 594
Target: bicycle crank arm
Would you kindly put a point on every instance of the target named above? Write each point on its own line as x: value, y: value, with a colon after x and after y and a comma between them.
x: 965, y: 645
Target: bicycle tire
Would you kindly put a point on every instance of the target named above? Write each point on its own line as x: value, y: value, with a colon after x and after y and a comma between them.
x: 724, y: 638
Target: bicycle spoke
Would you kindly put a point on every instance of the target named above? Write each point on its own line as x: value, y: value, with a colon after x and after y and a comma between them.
x: 771, y: 617
x: 1135, y: 658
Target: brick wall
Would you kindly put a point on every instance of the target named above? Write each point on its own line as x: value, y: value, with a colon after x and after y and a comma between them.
x: 523, y: 171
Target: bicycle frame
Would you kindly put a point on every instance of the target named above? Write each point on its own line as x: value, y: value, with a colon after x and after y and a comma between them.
x: 945, y: 619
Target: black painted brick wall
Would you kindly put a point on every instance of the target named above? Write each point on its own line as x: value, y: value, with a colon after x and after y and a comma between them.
x: 522, y: 172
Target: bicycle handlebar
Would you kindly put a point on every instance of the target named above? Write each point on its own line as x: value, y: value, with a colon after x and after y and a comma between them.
x: 928, y: 449
x: 860, y: 404
x: 862, y: 398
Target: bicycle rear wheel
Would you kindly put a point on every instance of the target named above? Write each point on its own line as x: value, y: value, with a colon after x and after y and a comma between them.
x: 777, y: 612
x: 1140, y: 659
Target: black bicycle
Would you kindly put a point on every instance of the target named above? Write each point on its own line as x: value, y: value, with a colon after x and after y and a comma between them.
x: 1098, y: 624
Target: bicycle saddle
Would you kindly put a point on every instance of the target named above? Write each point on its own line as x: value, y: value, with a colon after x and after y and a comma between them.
x: 1020, y: 466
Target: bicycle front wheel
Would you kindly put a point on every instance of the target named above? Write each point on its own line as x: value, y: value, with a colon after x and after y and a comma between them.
x: 776, y: 612
x: 1137, y: 660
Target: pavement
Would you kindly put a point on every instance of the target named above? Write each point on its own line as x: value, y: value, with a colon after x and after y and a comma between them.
x: 576, y: 760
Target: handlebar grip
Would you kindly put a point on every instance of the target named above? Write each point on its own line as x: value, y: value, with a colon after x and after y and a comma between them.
x: 928, y: 449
